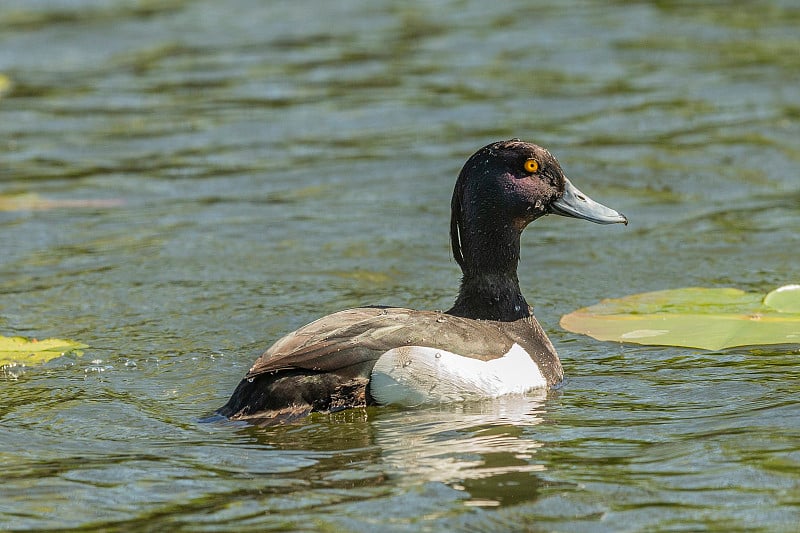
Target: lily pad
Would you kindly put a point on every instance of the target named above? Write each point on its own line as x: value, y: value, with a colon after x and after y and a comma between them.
x: 5, y: 84
x: 785, y: 299
x: 19, y: 350
x: 711, y: 319
x: 34, y: 202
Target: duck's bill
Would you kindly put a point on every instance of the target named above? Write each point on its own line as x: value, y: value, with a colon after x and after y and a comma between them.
x: 577, y: 205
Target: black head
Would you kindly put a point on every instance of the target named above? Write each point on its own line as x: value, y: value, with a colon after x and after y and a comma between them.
x: 507, y: 185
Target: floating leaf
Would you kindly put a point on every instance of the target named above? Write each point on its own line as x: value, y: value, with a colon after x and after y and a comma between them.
x: 5, y: 84
x: 34, y: 202
x: 711, y: 319
x: 785, y: 299
x: 32, y: 352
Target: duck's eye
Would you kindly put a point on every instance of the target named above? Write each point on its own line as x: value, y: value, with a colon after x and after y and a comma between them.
x: 531, y: 165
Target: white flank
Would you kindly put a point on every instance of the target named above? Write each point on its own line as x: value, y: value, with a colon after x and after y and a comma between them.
x: 414, y: 375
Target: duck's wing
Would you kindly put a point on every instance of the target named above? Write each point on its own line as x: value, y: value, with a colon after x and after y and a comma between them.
x: 323, y: 366
x: 336, y: 342
x: 349, y: 339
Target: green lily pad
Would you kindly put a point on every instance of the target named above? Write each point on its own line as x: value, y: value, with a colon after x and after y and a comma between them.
x: 34, y: 202
x: 785, y: 299
x: 5, y: 84
x: 711, y: 319
x: 19, y: 350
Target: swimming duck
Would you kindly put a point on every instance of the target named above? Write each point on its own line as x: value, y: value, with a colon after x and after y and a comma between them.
x: 487, y: 345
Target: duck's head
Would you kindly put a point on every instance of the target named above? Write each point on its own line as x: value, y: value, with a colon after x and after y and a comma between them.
x: 507, y: 185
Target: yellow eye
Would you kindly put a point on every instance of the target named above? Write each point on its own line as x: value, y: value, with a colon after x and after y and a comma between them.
x: 531, y: 165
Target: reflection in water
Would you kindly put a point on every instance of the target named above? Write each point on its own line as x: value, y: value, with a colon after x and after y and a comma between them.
x: 476, y: 447
x: 484, y: 449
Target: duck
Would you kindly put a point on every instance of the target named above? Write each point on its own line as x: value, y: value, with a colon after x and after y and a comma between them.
x: 488, y: 344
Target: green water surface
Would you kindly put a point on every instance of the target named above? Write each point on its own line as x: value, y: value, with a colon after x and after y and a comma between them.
x: 220, y: 173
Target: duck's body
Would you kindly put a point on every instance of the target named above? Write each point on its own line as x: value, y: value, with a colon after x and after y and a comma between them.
x: 388, y: 355
x: 487, y: 344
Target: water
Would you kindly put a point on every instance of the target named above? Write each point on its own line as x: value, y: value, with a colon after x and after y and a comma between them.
x: 220, y: 174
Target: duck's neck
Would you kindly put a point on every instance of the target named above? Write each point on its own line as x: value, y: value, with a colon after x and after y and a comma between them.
x: 489, y: 286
